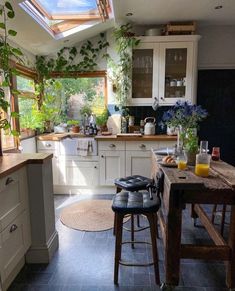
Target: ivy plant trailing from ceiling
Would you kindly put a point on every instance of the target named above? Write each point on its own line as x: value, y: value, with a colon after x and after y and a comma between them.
x: 120, y: 73
x: 7, y: 53
x: 65, y: 61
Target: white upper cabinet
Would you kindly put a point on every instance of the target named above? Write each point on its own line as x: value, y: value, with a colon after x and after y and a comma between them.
x: 165, y: 68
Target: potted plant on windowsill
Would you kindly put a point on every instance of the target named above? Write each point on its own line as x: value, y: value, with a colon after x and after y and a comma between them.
x: 74, y: 125
x: 101, y: 120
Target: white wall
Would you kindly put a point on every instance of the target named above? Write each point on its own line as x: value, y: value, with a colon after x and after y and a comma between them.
x: 216, y: 47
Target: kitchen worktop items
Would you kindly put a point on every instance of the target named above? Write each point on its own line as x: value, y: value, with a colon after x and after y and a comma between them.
x: 149, y: 127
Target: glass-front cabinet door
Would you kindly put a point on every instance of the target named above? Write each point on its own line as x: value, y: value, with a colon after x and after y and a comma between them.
x: 175, y: 72
x: 144, y: 74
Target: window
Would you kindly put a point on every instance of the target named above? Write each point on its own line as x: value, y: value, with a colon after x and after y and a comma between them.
x: 64, y: 17
x: 27, y: 102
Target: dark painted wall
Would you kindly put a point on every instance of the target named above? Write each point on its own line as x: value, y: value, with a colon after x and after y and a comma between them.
x: 216, y: 93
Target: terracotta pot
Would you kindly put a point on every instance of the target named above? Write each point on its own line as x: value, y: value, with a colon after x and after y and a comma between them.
x: 75, y: 128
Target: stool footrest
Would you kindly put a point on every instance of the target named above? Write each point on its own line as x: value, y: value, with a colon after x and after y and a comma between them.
x: 136, y: 242
x: 136, y: 230
x: 130, y: 264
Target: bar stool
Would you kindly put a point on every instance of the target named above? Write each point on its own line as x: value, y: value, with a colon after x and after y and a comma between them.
x: 133, y: 183
x: 135, y: 203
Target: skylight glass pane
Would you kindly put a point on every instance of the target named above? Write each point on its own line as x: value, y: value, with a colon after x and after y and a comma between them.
x: 67, y: 6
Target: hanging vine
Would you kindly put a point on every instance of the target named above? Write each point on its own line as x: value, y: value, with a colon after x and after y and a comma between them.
x: 120, y: 72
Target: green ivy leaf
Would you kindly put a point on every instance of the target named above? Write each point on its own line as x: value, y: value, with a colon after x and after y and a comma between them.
x: 8, y: 6
x: 17, y: 51
x: 2, y: 25
x: 15, y: 132
x: 15, y: 114
x: 5, y: 84
x: 12, y: 32
x: 11, y: 14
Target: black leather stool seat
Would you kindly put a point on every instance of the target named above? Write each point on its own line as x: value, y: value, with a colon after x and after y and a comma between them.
x: 135, y: 203
x: 133, y: 183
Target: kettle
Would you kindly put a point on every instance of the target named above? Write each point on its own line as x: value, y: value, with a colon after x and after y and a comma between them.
x: 149, y: 128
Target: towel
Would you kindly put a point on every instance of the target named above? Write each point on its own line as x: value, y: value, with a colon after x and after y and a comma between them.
x: 83, y: 147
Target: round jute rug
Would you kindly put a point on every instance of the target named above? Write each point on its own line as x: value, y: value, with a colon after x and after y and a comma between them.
x: 88, y: 215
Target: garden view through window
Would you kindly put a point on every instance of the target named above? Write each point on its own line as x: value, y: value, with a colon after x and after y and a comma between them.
x: 65, y: 100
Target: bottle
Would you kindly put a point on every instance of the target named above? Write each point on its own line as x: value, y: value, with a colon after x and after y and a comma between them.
x: 95, y: 130
x: 91, y: 129
x: 202, y: 160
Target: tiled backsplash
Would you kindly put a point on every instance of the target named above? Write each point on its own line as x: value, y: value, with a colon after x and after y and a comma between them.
x: 141, y: 112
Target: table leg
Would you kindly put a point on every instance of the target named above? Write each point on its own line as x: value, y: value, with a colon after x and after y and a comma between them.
x: 173, y: 240
x: 230, y: 275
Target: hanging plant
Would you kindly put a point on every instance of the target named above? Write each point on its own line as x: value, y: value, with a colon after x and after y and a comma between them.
x: 66, y: 62
x: 120, y: 72
x: 7, y: 53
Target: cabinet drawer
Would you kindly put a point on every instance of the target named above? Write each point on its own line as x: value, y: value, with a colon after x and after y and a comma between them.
x: 141, y: 145
x: 47, y: 145
x: 12, y: 246
x: 13, y: 196
x: 111, y: 145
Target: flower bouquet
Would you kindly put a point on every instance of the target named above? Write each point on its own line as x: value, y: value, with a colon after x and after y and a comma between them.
x: 185, y: 118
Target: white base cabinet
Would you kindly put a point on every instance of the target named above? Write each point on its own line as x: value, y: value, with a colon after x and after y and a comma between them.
x: 112, y: 166
x: 15, y: 234
x: 126, y: 158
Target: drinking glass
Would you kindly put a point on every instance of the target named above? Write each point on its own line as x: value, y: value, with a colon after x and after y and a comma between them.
x: 215, y: 155
x: 202, y: 160
x: 182, y: 160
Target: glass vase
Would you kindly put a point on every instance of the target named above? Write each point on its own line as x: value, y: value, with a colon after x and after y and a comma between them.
x: 181, y: 135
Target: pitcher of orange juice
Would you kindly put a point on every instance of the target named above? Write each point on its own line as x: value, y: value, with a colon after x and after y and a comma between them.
x: 202, y: 160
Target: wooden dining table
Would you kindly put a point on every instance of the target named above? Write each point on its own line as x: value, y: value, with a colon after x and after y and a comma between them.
x: 184, y: 187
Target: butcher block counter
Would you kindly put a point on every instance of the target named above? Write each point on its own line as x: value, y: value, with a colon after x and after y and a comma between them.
x: 60, y: 136
x: 11, y: 162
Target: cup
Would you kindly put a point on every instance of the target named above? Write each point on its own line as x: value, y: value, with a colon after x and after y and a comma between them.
x: 215, y: 155
x: 182, y: 160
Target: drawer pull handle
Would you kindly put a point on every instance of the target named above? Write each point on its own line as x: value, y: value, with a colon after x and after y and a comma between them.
x: 9, y: 181
x: 48, y: 145
x: 95, y: 167
x: 142, y: 146
x: 112, y: 145
x: 13, y: 227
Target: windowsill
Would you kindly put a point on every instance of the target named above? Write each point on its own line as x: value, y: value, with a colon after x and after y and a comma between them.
x: 27, y: 134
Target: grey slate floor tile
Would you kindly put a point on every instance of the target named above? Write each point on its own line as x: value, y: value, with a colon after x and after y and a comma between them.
x: 85, y: 260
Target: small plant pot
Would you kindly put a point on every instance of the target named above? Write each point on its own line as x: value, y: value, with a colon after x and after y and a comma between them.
x: 75, y: 129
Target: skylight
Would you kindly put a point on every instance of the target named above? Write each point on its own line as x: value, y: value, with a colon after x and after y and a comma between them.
x: 64, y: 17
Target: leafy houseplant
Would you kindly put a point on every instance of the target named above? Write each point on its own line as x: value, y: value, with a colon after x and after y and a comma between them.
x: 7, y: 53
x: 185, y: 117
x: 102, y: 119
x: 74, y: 124
x: 120, y: 72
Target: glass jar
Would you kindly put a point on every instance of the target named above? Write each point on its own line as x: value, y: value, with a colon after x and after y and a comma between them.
x: 202, y: 160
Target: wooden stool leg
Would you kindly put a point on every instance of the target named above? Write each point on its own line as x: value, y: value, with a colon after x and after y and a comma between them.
x: 152, y: 219
x: 132, y: 230
x: 114, y: 224
x: 156, y: 224
x: 223, y: 220
x: 118, y: 245
x: 213, y: 213
x: 138, y: 220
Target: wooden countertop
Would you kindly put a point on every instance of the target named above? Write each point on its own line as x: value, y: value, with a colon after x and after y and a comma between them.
x: 12, y: 162
x: 60, y: 136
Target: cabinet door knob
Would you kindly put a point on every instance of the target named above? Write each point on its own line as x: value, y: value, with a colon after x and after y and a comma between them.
x: 162, y: 98
x: 48, y: 145
x: 95, y: 167
x: 142, y: 146
x: 102, y: 156
x: 9, y: 181
x: 13, y: 227
x: 112, y: 145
